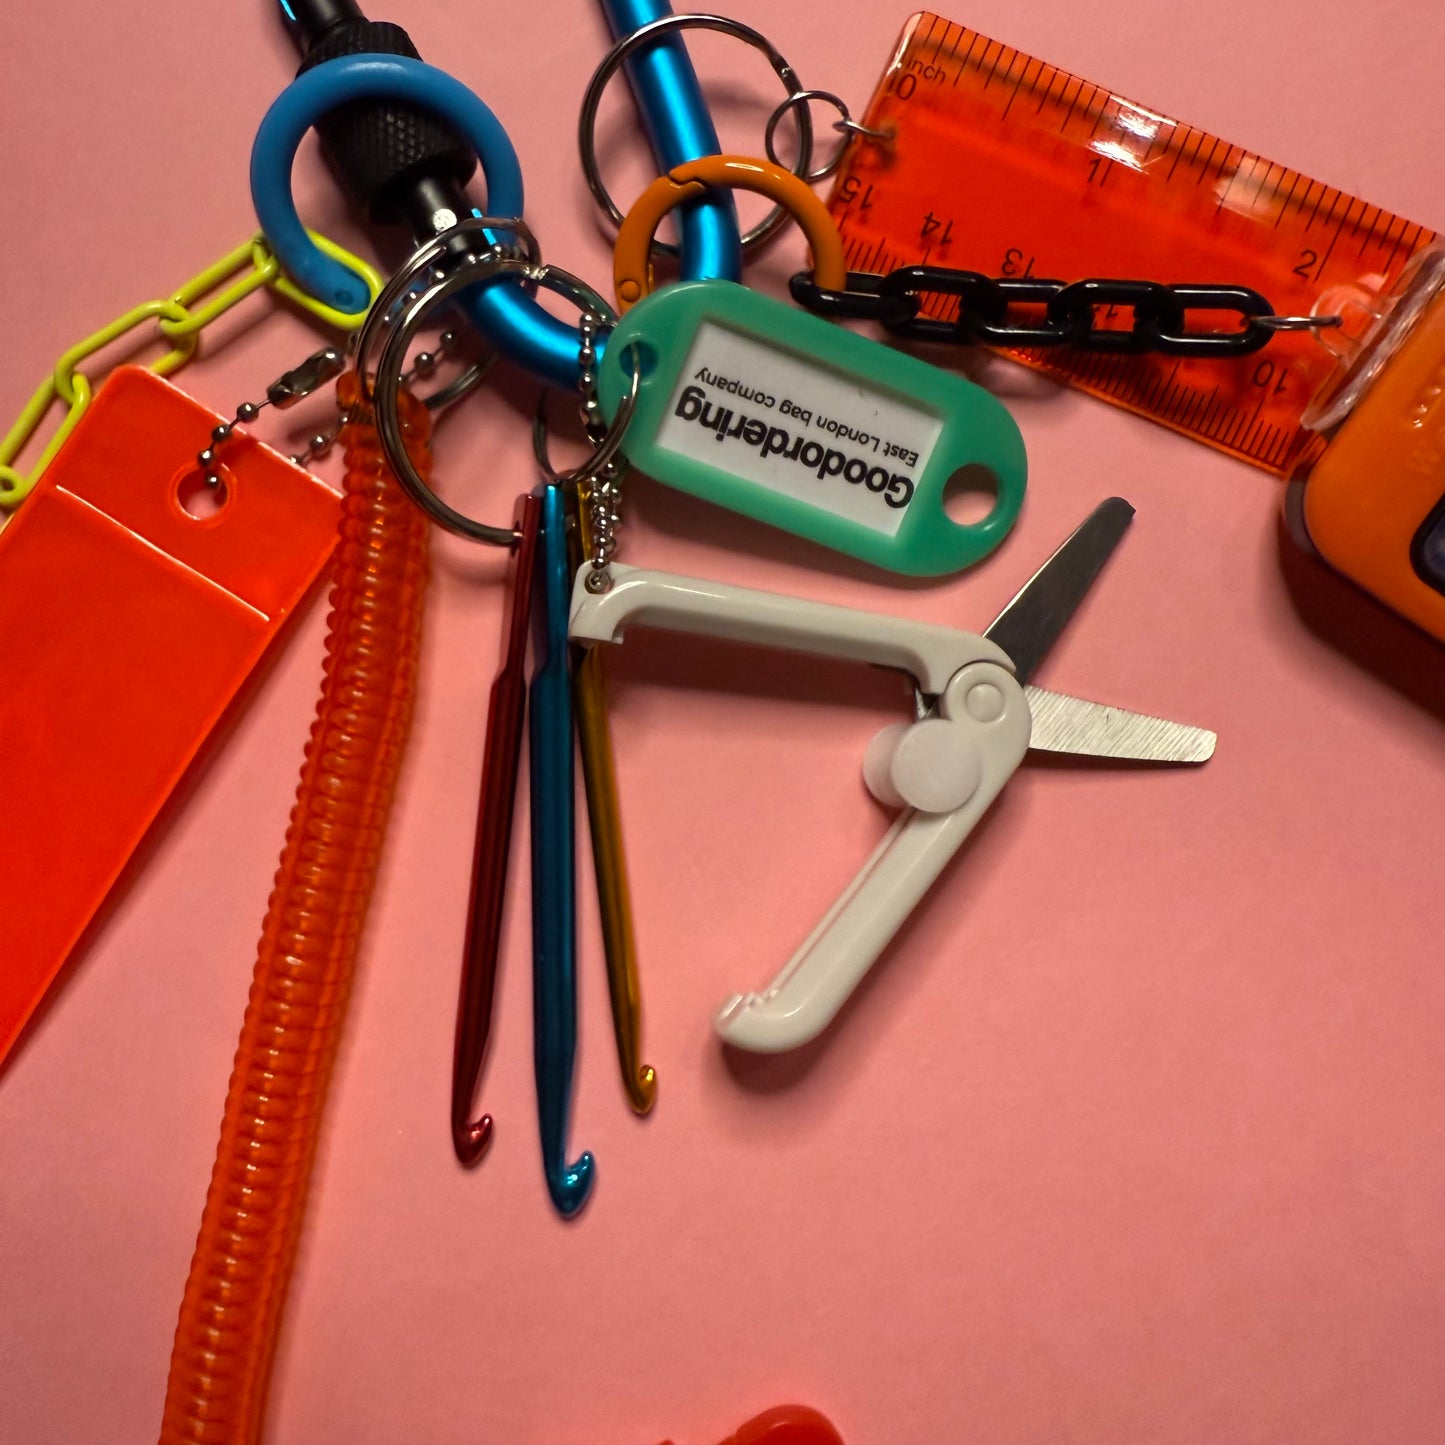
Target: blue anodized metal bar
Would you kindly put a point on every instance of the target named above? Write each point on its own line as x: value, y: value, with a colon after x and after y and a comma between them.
x: 679, y: 129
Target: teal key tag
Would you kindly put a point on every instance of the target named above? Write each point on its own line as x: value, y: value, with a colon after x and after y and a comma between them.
x: 796, y: 422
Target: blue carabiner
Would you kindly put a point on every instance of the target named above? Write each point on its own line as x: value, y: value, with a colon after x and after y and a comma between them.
x: 500, y: 310
x: 680, y: 130
x: 509, y: 318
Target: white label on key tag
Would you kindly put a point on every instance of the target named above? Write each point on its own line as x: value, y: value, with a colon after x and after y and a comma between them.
x: 798, y: 427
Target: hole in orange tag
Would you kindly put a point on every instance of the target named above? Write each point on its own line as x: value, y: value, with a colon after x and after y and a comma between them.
x: 199, y: 498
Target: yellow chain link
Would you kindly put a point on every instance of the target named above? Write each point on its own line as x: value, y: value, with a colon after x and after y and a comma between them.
x: 180, y: 322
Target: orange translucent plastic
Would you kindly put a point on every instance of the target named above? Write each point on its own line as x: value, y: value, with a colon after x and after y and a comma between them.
x: 231, y: 1312
x: 127, y: 625
x: 1002, y: 164
x: 1383, y: 473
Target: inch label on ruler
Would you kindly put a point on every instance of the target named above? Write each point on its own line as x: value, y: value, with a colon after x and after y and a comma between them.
x: 1080, y: 183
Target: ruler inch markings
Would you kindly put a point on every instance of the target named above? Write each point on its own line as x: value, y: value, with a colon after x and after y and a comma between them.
x: 1018, y: 85
x: 1199, y: 138
x: 1214, y: 144
x: 1285, y: 203
x: 993, y: 69
x: 1069, y: 114
x: 1339, y: 226
x: 1400, y: 241
x: 1395, y: 244
x: 1044, y: 90
x: 1366, y: 234
x: 1178, y: 156
x: 1244, y: 177
x: 963, y: 59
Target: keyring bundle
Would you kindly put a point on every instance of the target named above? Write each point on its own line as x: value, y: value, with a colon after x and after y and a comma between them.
x: 829, y: 436
x: 728, y: 395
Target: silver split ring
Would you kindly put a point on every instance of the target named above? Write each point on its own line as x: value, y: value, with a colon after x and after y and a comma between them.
x: 845, y: 123
x: 1298, y: 323
x: 592, y: 98
x: 605, y: 451
x: 427, y: 257
x: 392, y: 362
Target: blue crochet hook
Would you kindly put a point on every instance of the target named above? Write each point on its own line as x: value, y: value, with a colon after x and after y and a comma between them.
x: 554, y: 894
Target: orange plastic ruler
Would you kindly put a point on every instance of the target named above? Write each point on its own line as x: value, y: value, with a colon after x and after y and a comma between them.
x: 1002, y: 164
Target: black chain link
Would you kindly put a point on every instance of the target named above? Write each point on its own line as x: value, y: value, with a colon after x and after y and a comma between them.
x: 988, y: 314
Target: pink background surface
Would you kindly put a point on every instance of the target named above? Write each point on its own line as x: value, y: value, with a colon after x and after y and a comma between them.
x: 1135, y: 1134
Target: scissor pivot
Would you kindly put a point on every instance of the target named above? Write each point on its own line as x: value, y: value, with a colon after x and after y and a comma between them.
x: 933, y: 765
x: 985, y: 702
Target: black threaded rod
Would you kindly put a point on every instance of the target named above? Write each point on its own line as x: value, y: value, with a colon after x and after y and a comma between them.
x: 394, y: 162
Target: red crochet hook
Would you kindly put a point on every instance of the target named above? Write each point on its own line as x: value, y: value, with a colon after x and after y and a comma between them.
x: 501, y: 756
x: 785, y: 1425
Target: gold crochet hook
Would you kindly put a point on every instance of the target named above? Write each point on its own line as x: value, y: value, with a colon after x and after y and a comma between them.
x: 614, y: 896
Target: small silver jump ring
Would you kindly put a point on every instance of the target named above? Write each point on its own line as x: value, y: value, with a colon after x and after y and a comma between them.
x: 1298, y: 323
x: 592, y: 99
x: 878, y: 134
x: 426, y: 256
x: 801, y: 98
x: 606, y: 450
x: 393, y: 360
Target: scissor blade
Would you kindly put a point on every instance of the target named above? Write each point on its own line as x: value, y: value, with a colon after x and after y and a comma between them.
x: 1031, y: 623
x: 1064, y: 724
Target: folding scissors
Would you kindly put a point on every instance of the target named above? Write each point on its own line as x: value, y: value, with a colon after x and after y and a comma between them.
x: 977, y: 718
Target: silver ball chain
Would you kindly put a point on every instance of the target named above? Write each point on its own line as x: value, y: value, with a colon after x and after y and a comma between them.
x: 602, y: 492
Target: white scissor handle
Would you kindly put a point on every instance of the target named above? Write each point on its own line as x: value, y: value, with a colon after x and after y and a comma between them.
x: 984, y: 717
x: 932, y: 654
x: 815, y: 983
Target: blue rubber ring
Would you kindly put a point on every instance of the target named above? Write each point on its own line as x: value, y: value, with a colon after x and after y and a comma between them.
x: 510, y: 319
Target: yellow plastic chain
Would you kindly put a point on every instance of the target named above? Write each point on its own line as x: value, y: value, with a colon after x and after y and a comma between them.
x: 180, y: 321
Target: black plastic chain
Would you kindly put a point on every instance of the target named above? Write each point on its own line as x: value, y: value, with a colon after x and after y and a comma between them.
x: 990, y: 311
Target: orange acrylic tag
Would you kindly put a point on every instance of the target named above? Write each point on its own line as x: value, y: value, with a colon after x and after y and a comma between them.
x: 127, y: 625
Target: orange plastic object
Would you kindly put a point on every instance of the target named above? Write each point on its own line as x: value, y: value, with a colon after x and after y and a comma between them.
x: 632, y: 253
x: 126, y: 626
x: 1372, y: 504
x: 785, y: 1425
x: 231, y: 1313
x: 1002, y: 164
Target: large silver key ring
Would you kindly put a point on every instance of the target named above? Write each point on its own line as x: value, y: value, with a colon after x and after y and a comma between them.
x: 392, y: 364
x: 592, y: 98
x: 441, y: 249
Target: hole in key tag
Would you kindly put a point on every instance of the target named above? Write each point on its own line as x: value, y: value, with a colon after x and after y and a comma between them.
x: 128, y: 625
x: 792, y: 420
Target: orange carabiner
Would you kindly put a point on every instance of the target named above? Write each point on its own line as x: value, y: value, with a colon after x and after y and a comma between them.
x: 632, y: 257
